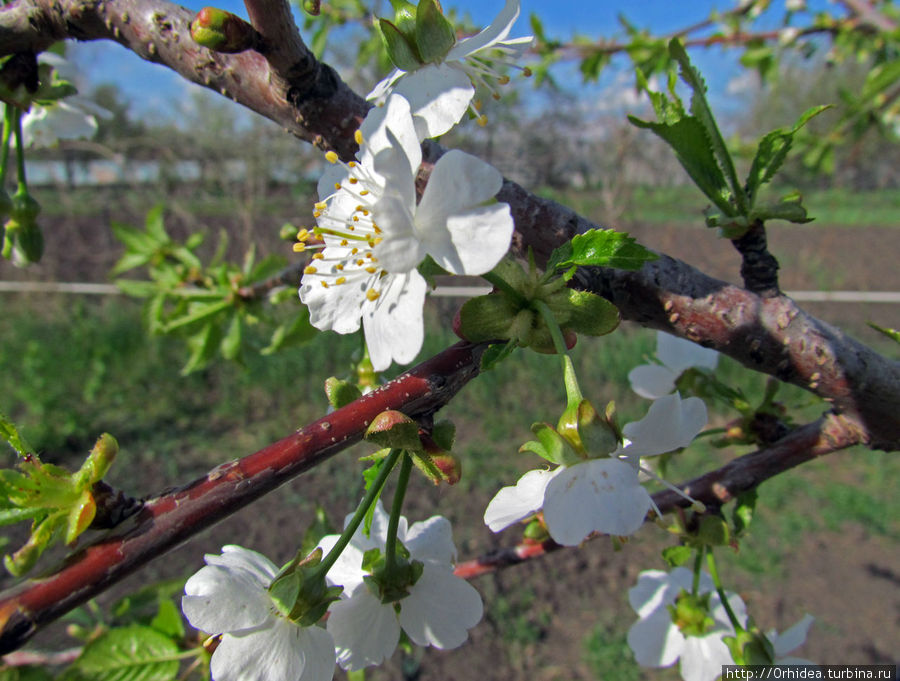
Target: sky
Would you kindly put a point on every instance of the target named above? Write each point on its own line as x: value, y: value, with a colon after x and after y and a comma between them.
x: 152, y: 88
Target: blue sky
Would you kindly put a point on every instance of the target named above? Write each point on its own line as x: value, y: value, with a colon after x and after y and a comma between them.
x: 151, y: 87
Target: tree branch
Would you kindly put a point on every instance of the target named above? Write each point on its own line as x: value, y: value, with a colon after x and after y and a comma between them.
x: 171, y: 518
x: 829, y: 434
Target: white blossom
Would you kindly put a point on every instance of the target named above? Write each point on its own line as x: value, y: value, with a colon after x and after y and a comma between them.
x: 375, y: 234
x: 677, y: 355
x: 229, y: 596
x: 44, y: 125
x: 658, y: 642
x: 440, y: 607
x: 602, y: 494
x: 789, y: 640
x: 440, y: 93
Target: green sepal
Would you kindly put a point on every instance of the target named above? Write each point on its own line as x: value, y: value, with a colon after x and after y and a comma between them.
x: 444, y: 434
x: 750, y: 647
x: 550, y: 445
x: 589, y: 314
x: 495, y: 354
x: 29, y: 245
x: 489, y: 317
x: 423, y: 462
x: 80, y: 516
x: 394, y: 429
x: 691, y: 613
x: 893, y: 334
x: 434, y: 34
x: 713, y: 531
x: 744, y: 508
x: 341, y: 393
x: 677, y: 555
x: 789, y: 208
x: 402, y: 53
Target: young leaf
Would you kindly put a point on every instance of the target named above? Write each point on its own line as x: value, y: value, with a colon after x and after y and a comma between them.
x: 10, y: 434
x: 293, y: 332
x: 893, y: 334
x: 601, y: 248
x: 136, y: 653
x: 772, y: 150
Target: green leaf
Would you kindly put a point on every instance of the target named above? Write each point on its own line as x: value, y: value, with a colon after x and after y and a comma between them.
x: 293, y: 332
x: 772, y: 150
x: 135, y: 240
x: 155, y: 225
x: 689, y: 141
x: 135, y: 653
x: 231, y: 343
x: 496, y: 353
x: 10, y: 434
x: 320, y: 40
x: 549, y: 444
x: 601, y: 248
x: 168, y: 620
x: 743, y: 511
x: 129, y: 261
x: 789, y: 208
x: 434, y: 34
x: 893, y: 334
x: 198, y: 311
x: 203, y: 346
x: 136, y: 288
x: 27, y: 673
x: 703, y: 113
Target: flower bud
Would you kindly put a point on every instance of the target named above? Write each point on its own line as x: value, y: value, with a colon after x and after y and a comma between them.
x: 101, y: 458
x: 25, y: 207
x: 340, y: 393
x: 223, y: 31
x: 449, y: 466
x: 591, y: 435
x: 394, y: 429
x: 312, y: 7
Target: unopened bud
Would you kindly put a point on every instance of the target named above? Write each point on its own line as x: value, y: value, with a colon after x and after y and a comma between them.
x: 394, y: 429
x: 25, y: 207
x: 449, y: 466
x: 340, y: 393
x: 223, y: 31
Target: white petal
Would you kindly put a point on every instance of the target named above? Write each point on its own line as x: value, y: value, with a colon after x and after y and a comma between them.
x: 601, y: 495
x: 440, y: 609
x: 655, y: 640
x: 498, y: 29
x: 514, y: 503
x: 365, y: 630
x: 656, y: 589
x: 431, y: 541
x: 347, y: 569
x: 394, y: 325
x: 239, y: 558
x: 380, y: 92
x: 792, y: 638
x: 670, y: 423
x: 439, y: 96
x: 45, y: 126
x: 280, y: 652
x: 401, y: 251
x: 703, y: 657
x: 652, y: 381
x: 463, y: 236
x: 720, y: 615
x: 395, y: 116
x: 679, y: 354
x: 336, y: 308
x: 230, y: 596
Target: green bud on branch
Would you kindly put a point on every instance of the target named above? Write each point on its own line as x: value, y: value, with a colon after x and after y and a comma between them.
x: 223, y: 31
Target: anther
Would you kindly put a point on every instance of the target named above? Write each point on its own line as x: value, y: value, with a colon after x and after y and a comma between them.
x: 358, y: 137
x: 309, y: 269
x: 371, y: 294
x: 331, y: 157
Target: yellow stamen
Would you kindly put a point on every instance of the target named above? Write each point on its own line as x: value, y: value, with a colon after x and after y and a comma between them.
x: 372, y: 294
x: 360, y: 262
x: 371, y: 270
x: 337, y: 185
x: 324, y: 284
x: 503, y: 80
x: 352, y: 164
x: 354, y: 251
x: 331, y: 157
x: 320, y: 205
x: 340, y: 280
x: 527, y: 72
x: 317, y: 214
x: 299, y: 248
x: 358, y: 137
x: 303, y: 234
x: 353, y: 180
x: 339, y: 267
x: 482, y: 120
x: 309, y: 269
x: 318, y: 256
x: 364, y: 192
x: 344, y: 242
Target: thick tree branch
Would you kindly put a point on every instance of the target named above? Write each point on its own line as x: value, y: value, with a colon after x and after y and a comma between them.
x: 829, y: 434
x: 171, y: 518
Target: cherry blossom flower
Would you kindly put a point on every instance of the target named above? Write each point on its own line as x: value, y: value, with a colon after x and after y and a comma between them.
x: 44, y: 125
x: 657, y: 641
x: 375, y: 234
x: 229, y: 596
x: 677, y: 355
x: 438, y: 611
x: 602, y: 494
x: 440, y: 93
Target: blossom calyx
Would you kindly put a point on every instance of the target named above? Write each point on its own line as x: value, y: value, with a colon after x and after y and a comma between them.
x: 417, y: 35
x: 300, y: 593
x: 394, y: 429
x: 589, y: 434
x: 222, y: 31
x: 750, y: 647
x: 341, y: 393
x: 690, y: 613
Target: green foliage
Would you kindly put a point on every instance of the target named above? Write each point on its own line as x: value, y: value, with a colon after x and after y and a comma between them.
x: 600, y: 248
x: 57, y: 502
x: 209, y: 305
x: 893, y: 334
x: 10, y: 434
x: 702, y: 152
x: 136, y: 653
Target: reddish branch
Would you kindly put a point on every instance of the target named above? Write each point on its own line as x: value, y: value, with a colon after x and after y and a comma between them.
x: 168, y: 520
x: 715, y: 488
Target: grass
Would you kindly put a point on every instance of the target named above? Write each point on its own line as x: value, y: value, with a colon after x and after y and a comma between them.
x: 684, y: 205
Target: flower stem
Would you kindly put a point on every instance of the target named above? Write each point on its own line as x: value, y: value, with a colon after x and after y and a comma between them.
x: 573, y: 390
x: 386, y: 467
x: 714, y: 573
x: 20, y: 151
x: 4, y: 143
x: 390, y: 545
